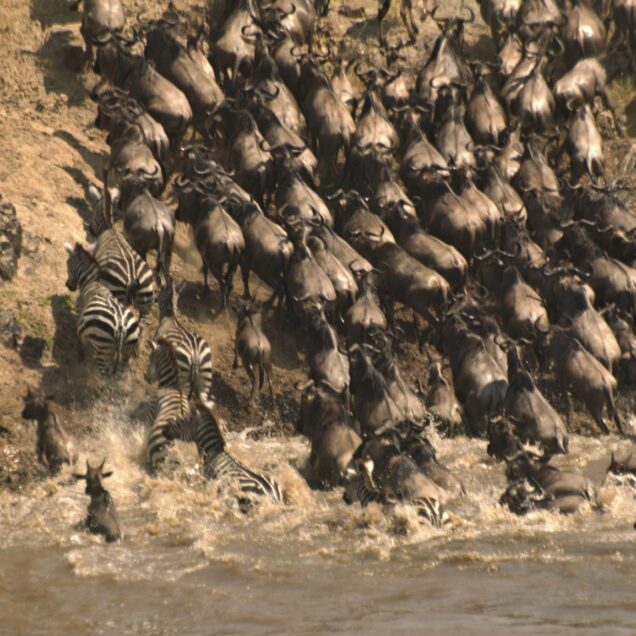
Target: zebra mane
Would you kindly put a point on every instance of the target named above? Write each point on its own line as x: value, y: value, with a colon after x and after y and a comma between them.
x: 86, y: 258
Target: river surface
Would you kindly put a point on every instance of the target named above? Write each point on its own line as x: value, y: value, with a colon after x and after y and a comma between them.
x: 192, y: 563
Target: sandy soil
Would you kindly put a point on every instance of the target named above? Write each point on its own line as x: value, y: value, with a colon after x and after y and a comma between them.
x: 49, y: 153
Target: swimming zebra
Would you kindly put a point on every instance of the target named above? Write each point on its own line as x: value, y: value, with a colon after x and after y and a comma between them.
x: 203, y: 428
x: 104, y: 326
x: 361, y: 487
x: 122, y: 270
x: 192, y: 353
x: 170, y: 402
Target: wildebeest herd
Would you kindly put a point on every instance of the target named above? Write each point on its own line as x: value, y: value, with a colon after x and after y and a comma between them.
x: 474, y: 195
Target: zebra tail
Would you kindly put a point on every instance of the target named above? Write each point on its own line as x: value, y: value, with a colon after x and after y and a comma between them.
x: 133, y: 290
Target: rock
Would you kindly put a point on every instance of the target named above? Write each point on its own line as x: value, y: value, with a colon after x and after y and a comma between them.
x: 10, y: 330
x: 10, y: 240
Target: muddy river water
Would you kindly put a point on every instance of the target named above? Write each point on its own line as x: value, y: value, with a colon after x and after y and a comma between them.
x: 192, y: 563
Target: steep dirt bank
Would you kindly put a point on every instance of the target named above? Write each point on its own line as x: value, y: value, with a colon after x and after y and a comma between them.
x: 49, y: 153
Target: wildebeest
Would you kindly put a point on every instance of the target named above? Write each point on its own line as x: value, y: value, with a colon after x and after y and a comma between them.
x: 102, y: 515
x: 53, y: 447
x: 254, y: 349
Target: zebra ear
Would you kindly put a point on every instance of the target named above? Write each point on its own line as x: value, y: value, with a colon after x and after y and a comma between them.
x: 152, y: 345
x: 69, y: 248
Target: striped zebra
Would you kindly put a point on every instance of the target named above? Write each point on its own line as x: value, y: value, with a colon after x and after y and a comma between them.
x: 203, y: 428
x: 361, y: 487
x: 170, y: 402
x: 192, y: 353
x: 104, y: 326
x: 122, y: 270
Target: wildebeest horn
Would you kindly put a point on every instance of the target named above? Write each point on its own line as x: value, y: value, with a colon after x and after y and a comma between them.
x: 263, y: 142
x: 144, y: 23
x: 102, y: 37
x: 171, y: 16
x: 296, y: 47
x: 471, y: 13
x: 537, y: 328
x: 303, y: 386
x: 273, y: 95
x: 283, y: 13
x: 182, y: 182
x: 483, y: 255
x: 481, y: 292
x: 147, y: 173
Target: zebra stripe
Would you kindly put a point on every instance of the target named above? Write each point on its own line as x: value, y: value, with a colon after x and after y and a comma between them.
x: 125, y: 274
x: 431, y: 510
x: 192, y: 353
x: 220, y: 465
x: 170, y: 403
x: 362, y: 488
x: 109, y: 330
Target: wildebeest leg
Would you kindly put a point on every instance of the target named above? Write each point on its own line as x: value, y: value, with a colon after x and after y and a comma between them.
x: 229, y: 281
x: 268, y: 371
x: 406, y: 13
x: 383, y: 10
x: 252, y: 376
x: 205, y: 276
x: 245, y: 275
x: 217, y: 272
x: 416, y: 327
x: 607, y: 104
x: 568, y: 405
x: 235, y: 361
x: 613, y: 411
x: 596, y: 411
x: 387, y: 306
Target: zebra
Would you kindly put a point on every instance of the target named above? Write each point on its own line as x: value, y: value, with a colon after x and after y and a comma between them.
x: 203, y: 428
x: 361, y: 487
x: 122, y: 270
x: 192, y: 353
x: 170, y: 402
x: 104, y: 326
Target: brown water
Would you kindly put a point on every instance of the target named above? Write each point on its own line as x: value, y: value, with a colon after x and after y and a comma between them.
x: 193, y: 564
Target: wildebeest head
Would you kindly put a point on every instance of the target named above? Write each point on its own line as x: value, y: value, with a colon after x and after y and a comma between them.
x: 93, y: 477
x: 35, y: 405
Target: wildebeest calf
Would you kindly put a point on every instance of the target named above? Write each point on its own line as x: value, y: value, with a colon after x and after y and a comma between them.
x: 53, y: 447
x: 253, y: 347
x: 102, y: 515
